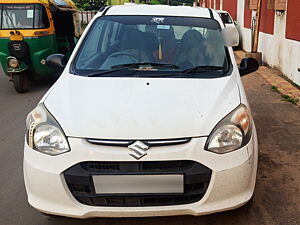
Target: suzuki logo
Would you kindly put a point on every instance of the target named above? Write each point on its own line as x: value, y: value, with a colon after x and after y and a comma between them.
x: 138, y: 149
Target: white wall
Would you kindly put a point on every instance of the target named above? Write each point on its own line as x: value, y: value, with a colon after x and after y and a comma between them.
x: 277, y: 51
x: 245, y: 34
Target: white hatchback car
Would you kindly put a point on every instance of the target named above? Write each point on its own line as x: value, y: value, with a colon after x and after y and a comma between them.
x: 229, y: 22
x: 149, y: 118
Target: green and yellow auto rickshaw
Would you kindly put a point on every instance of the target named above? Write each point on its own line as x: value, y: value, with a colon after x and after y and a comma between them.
x: 30, y: 31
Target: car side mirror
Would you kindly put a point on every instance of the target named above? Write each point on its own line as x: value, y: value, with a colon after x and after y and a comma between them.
x: 235, y: 23
x: 56, y: 61
x: 230, y: 36
x: 248, y: 65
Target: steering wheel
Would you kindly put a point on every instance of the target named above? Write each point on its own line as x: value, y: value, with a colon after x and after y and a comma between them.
x: 117, y: 54
x: 121, y: 57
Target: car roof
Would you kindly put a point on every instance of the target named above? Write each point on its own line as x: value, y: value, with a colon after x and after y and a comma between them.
x: 222, y: 11
x: 158, y: 10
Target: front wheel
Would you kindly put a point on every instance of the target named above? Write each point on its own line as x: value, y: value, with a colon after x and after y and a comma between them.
x: 20, y: 81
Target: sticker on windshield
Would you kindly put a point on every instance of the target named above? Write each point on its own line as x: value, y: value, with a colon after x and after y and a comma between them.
x: 30, y: 14
x: 60, y: 2
x: 158, y: 20
x: 163, y: 27
x: 18, y: 7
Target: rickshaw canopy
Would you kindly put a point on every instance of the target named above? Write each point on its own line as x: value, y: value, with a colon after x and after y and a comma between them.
x: 61, y: 3
x: 58, y: 3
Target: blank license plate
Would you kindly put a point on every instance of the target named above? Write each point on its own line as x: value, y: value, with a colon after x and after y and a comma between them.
x: 129, y: 184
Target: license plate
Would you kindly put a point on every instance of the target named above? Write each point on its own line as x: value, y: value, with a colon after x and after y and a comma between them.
x: 141, y: 184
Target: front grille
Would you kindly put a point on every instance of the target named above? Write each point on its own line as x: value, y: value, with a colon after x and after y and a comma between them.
x: 80, y: 182
x: 152, y: 143
x: 101, y: 167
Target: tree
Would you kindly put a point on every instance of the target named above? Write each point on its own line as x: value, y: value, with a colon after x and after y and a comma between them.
x: 172, y: 2
x: 88, y: 5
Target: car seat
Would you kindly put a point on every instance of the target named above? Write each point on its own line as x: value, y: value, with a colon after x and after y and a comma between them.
x: 191, y: 51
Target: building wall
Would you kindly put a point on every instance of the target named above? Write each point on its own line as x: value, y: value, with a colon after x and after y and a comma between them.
x: 231, y: 7
x: 218, y: 4
x: 247, y: 15
x: 293, y: 20
x: 267, y: 21
x: 279, y: 37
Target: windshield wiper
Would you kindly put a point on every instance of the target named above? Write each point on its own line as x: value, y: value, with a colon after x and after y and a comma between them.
x: 12, y: 23
x: 134, y: 65
x: 200, y: 69
x: 99, y: 74
x: 125, y: 67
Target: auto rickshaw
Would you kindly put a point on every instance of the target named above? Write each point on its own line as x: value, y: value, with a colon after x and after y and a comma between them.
x: 30, y: 31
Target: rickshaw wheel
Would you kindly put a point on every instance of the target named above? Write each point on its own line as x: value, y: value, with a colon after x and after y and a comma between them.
x: 20, y: 81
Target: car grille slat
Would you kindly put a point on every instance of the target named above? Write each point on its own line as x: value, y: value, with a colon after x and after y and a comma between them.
x: 125, y: 143
x: 80, y: 182
x: 101, y: 167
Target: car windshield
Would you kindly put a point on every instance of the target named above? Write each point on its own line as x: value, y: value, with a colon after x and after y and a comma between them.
x: 23, y: 16
x: 152, y: 45
x: 226, y: 18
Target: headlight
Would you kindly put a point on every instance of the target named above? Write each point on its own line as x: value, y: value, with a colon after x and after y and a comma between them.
x: 13, y: 63
x: 44, y: 134
x: 231, y: 133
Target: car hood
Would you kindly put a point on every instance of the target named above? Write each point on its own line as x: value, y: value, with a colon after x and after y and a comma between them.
x: 140, y: 108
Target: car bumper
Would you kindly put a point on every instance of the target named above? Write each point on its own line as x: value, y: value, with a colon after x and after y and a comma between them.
x: 231, y: 185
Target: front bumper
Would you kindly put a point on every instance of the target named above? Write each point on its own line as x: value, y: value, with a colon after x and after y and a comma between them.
x: 231, y: 184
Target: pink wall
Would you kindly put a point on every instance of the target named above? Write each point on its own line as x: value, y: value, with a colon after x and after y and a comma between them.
x: 293, y: 20
x: 231, y: 7
x: 218, y: 4
x: 247, y: 16
x: 267, y: 18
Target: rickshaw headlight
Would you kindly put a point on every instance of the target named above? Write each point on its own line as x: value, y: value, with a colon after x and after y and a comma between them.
x: 44, y: 133
x: 13, y: 63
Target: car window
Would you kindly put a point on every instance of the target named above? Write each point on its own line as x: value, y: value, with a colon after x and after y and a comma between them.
x: 23, y: 16
x: 93, y: 48
x: 183, y: 42
x: 226, y: 18
x: 179, y: 31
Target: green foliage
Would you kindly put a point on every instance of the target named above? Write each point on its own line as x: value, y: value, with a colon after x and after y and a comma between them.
x: 286, y: 97
x: 116, y: 2
x: 89, y: 5
x: 274, y: 88
x: 171, y: 2
x: 290, y: 99
x: 154, y: 2
x: 181, y: 2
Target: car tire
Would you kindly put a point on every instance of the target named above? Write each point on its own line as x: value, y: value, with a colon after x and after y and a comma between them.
x: 20, y: 81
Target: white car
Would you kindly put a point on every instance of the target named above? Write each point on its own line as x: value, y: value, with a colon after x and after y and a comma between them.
x: 149, y: 118
x: 229, y: 22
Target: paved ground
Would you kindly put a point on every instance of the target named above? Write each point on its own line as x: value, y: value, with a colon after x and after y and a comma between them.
x: 279, y: 83
x: 277, y: 196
